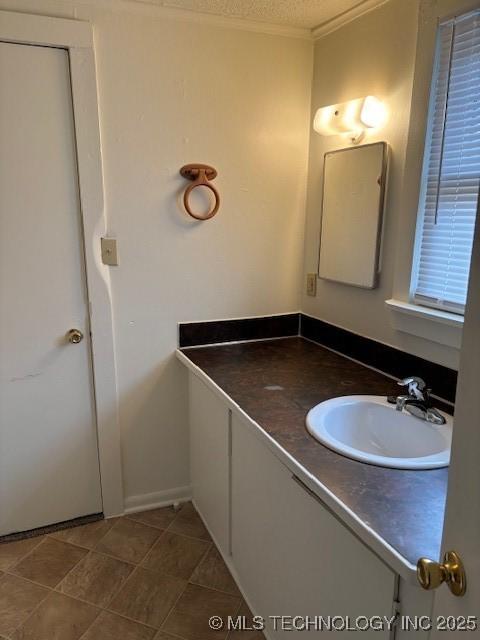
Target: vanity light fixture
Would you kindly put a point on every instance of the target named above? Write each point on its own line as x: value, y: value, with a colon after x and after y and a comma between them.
x: 352, y: 117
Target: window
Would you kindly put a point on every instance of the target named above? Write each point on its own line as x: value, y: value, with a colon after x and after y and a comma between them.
x: 451, y: 169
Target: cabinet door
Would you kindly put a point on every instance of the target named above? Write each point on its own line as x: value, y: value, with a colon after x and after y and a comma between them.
x: 291, y: 554
x: 209, y: 459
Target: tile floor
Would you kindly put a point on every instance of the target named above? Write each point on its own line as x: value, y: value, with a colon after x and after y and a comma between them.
x: 154, y: 575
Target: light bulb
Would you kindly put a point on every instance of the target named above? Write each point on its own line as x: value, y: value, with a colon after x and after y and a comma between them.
x: 373, y: 112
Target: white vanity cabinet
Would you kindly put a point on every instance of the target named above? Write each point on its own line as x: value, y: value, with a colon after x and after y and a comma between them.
x: 291, y: 554
x: 209, y: 459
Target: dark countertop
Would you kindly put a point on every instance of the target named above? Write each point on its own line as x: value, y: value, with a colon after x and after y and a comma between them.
x: 405, y: 508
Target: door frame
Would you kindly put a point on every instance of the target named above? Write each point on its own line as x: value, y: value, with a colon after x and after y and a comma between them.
x: 76, y: 37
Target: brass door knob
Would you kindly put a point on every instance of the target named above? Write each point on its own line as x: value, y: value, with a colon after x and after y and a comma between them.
x: 74, y: 336
x: 431, y: 574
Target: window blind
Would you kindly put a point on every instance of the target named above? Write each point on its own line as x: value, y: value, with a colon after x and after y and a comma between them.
x: 451, y: 170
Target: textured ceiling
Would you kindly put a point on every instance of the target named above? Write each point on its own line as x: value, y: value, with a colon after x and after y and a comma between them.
x: 295, y: 13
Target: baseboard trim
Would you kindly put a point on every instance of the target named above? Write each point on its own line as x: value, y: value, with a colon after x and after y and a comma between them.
x: 146, y: 501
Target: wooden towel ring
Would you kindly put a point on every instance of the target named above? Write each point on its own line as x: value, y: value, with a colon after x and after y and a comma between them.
x: 200, y: 174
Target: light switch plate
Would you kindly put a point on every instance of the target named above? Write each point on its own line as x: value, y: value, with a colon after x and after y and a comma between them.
x: 311, y: 284
x: 109, y: 251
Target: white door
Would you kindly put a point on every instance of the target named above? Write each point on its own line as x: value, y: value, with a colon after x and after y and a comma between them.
x: 49, y: 468
x: 462, y: 523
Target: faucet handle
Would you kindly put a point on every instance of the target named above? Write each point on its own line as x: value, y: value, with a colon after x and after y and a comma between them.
x: 416, y: 387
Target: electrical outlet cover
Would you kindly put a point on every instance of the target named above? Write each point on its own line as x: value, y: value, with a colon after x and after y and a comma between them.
x: 109, y: 252
x: 311, y: 284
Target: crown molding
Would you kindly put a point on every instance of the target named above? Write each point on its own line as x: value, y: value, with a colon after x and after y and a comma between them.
x: 153, y: 9
x: 344, y: 18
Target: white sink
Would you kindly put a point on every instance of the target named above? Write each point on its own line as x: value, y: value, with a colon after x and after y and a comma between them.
x: 369, y: 429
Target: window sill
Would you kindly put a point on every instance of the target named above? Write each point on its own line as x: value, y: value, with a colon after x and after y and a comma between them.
x: 431, y: 324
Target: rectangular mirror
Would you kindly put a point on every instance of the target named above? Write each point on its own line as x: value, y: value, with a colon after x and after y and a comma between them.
x: 352, y: 210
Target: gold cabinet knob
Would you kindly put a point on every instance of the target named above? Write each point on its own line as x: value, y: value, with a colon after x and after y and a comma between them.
x: 431, y: 574
x: 74, y: 336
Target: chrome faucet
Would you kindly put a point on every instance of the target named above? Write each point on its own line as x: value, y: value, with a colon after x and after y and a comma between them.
x: 417, y: 402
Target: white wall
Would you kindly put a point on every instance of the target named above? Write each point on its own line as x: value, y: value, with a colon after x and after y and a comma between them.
x: 374, y: 54
x: 174, y: 91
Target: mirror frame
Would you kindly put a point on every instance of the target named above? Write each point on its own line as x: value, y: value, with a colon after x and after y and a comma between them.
x: 381, y: 212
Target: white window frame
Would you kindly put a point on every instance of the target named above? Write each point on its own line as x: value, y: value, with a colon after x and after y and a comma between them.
x: 414, y: 296
x: 436, y: 325
x: 76, y: 37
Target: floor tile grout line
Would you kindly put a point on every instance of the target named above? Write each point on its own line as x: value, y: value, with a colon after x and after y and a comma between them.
x: 146, y: 552
x: 36, y: 584
x: 189, y: 579
x: 205, y: 553
x: 42, y: 538
x: 190, y: 537
x: 100, y: 553
x: 154, y: 526
x: 57, y: 588
x: 29, y: 615
x: 82, y: 600
x: 178, y: 515
x: 39, y: 583
x: 117, y: 591
x: 38, y: 606
x: 161, y: 573
x: 240, y: 598
x: 180, y: 595
x: 140, y: 564
x: 135, y: 566
x: 174, y: 635
x: 89, y: 626
x: 95, y: 606
x: 61, y: 579
x: 172, y: 608
x: 181, y: 535
x: 54, y: 589
x: 10, y: 568
x: 110, y: 610
x: 120, y: 615
x: 171, y: 575
x: 125, y: 617
x: 52, y: 535
x: 227, y: 593
x: 18, y: 560
x: 168, y: 575
x: 127, y: 517
x: 112, y: 557
x: 9, y: 572
x: 107, y: 608
x: 130, y: 577
x: 202, y: 559
x: 93, y: 621
x: 185, y: 535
